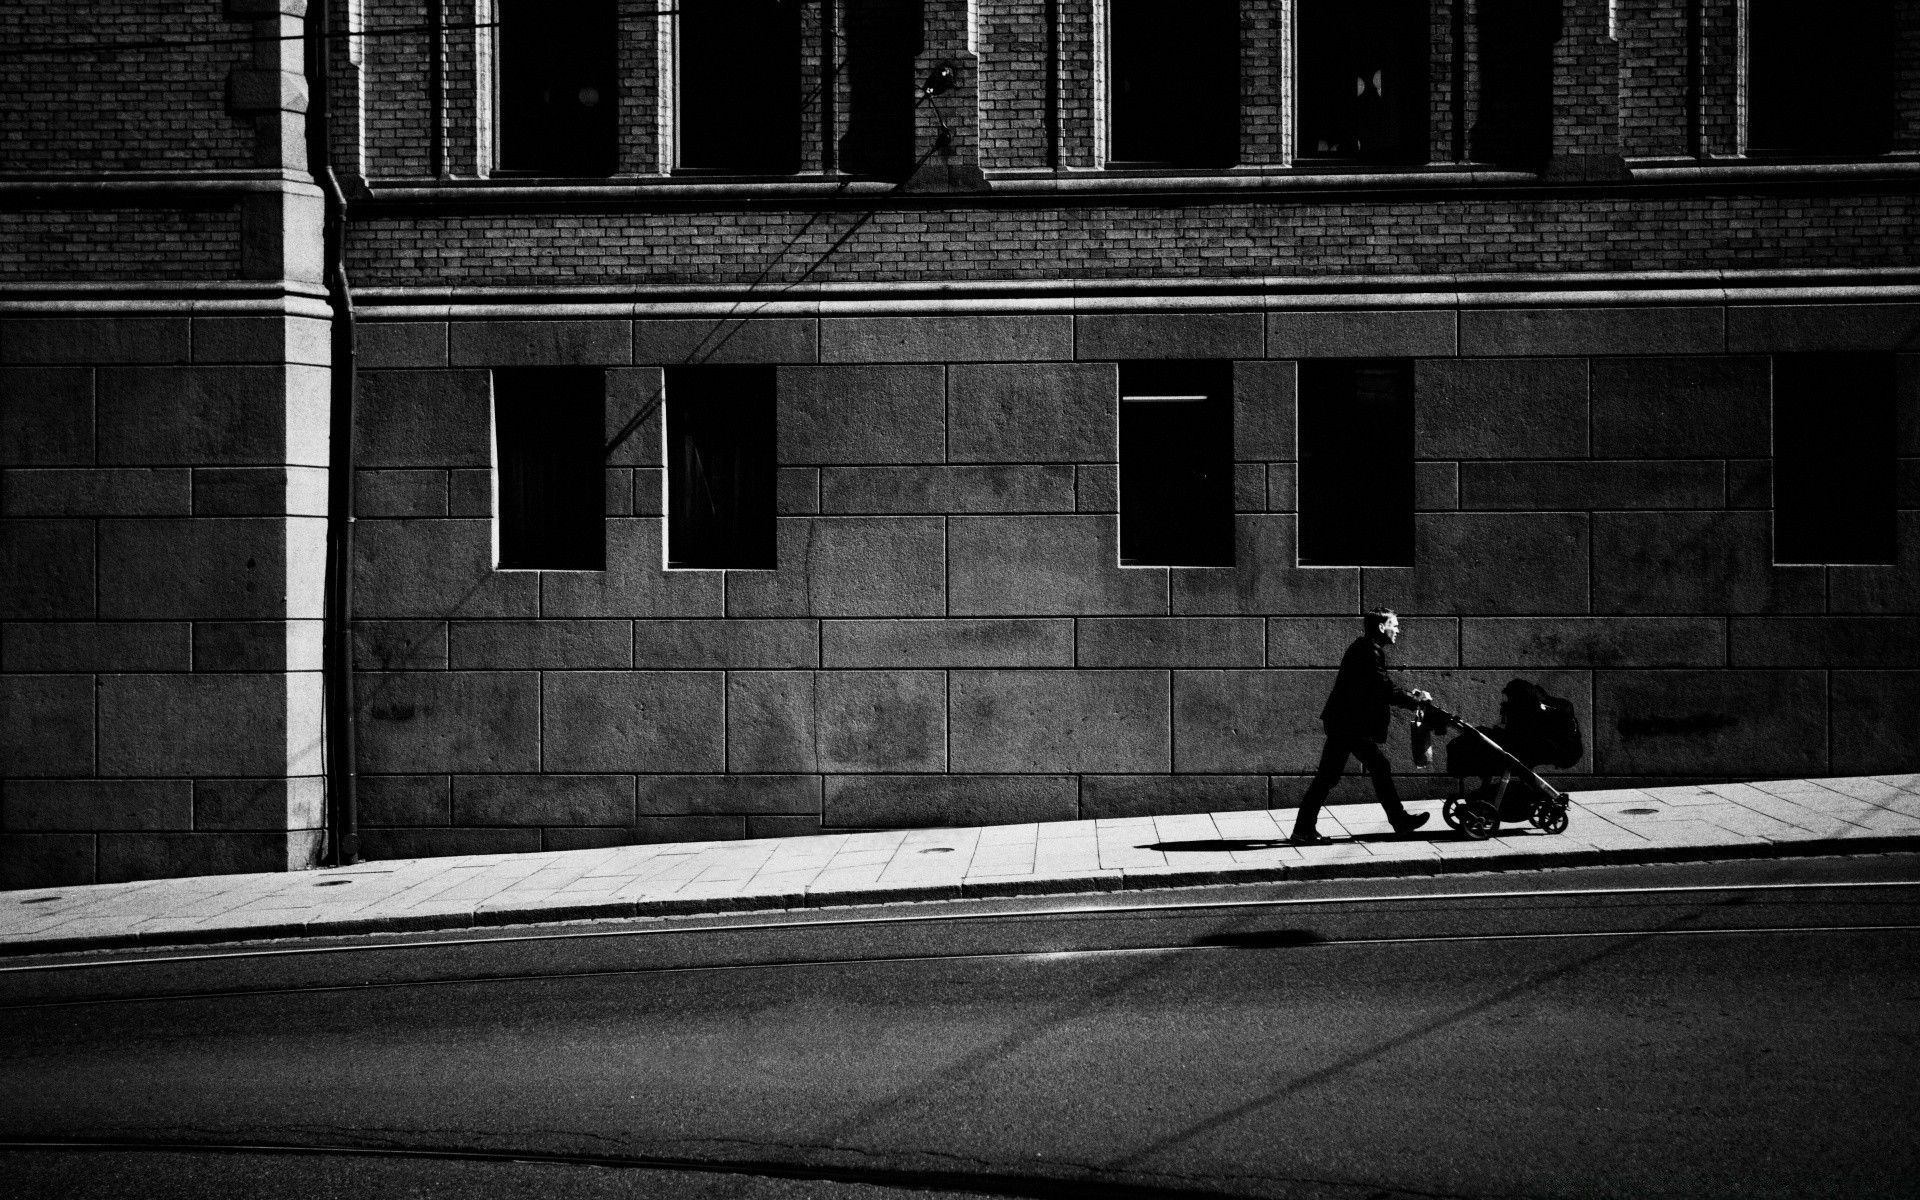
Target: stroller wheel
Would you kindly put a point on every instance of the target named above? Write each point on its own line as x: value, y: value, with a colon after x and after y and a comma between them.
x: 1550, y: 817
x: 1479, y: 820
x: 1450, y: 811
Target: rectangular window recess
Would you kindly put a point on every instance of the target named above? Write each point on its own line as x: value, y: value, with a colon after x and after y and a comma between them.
x: 1356, y: 462
x: 721, y: 468
x: 1835, y: 470
x: 549, y: 446
x: 1362, y: 71
x: 1174, y: 82
x: 1176, y: 464
x: 739, y: 87
x: 559, y: 87
x: 1821, y: 85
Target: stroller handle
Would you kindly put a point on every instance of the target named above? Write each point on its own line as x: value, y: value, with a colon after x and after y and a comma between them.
x: 1430, y: 711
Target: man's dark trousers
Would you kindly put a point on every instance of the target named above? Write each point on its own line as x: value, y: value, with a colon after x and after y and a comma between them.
x: 1333, y: 761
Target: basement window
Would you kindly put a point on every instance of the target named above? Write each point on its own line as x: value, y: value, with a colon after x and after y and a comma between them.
x: 1820, y: 78
x: 720, y: 467
x: 1356, y: 462
x: 1175, y: 77
x: 549, y: 430
x: 558, y: 84
x: 1362, y: 71
x: 1176, y: 464
x: 737, y: 63
x: 1834, y: 466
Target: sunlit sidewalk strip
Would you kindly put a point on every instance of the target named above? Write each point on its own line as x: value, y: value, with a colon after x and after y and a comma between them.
x: 1626, y: 825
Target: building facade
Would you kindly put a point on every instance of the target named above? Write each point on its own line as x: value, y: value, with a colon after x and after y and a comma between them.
x: 776, y: 416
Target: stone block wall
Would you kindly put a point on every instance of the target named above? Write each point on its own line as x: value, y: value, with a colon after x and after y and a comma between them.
x: 949, y: 638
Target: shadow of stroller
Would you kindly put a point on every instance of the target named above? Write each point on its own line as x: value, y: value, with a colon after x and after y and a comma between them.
x: 1217, y: 845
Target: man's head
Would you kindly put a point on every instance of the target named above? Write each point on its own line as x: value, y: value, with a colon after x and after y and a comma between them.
x: 1383, y: 626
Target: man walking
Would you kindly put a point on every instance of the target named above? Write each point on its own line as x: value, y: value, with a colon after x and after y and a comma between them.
x: 1356, y: 720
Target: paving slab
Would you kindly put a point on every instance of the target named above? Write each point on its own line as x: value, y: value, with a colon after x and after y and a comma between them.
x: 1622, y: 825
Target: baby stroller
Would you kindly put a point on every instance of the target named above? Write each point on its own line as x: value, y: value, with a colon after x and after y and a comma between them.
x: 1536, y: 729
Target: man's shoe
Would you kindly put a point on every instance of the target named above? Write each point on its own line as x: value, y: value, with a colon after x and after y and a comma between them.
x: 1309, y: 839
x: 1413, y: 822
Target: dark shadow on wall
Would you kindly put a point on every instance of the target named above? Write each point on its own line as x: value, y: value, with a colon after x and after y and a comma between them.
x: 1515, y: 123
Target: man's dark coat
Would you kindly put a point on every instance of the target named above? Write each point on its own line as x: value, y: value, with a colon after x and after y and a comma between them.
x: 1362, y: 693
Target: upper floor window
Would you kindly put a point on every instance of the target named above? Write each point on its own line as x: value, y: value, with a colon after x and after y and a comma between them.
x: 558, y: 81
x: 737, y: 67
x: 1513, y: 121
x: 1362, y: 80
x: 881, y: 39
x: 1176, y: 82
x: 1820, y: 77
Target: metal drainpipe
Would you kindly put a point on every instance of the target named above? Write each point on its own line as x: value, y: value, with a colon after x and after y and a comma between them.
x: 337, y: 662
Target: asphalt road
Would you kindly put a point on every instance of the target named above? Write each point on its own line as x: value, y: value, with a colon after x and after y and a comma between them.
x: 1739, y: 1030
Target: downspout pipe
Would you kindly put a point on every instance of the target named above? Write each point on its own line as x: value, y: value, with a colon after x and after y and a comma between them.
x: 343, y: 801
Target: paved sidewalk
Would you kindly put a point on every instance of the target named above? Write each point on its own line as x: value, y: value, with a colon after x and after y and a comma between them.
x: 1825, y: 816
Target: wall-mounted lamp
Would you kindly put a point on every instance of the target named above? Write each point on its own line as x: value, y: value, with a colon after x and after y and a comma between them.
x: 941, y: 81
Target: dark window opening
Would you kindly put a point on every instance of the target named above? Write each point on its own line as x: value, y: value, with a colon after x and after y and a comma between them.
x: 739, y: 85
x: 1176, y: 464
x: 1356, y: 462
x: 1820, y: 77
x: 558, y: 86
x: 1514, y: 125
x: 549, y: 432
x: 1176, y: 82
x: 720, y: 467
x: 1834, y: 465
x: 882, y: 38
x: 1363, y: 80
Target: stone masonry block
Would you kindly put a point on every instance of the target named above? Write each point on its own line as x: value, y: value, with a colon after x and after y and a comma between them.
x: 776, y: 825
x: 1436, y: 486
x: 85, y: 646
x: 1619, y: 484
x: 399, y: 645
x: 1264, y: 578
x: 46, y: 860
x: 946, y: 339
x: 189, y: 725
x: 1874, y: 732
x: 731, y: 644
x: 221, y: 646
x: 436, y: 569
x: 1161, y: 795
x: 1824, y: 642
x: 1096, y: 488
x: 92, y: 492
x: 192, y: 416
x: 260, y: 805
x: 1320, y: 641
x: 935, y: 801
x: 46, y: 725
x: 984, y: 489
x: 95, y: 340
x: 862, y: 414
x: 947, y: 643
x: 729, y: 340
x: 849, y: 567
x: 1881, y: 589
x: 405, y: 800
x: 636, y: 582
x: 129, y: 856
x: 380, y: 844
x: 1520, y: 563
x: 209, y: 567
x: 263, y: 340
x: 1237, y: 722
x: 1067, y: 721
x: 653, y: 830
x: 470, y: 493
x: 1695, y: 562
x: 430, y: 722
x: 46, y: 569
x: 892, y: 721
x: 1794, y: 328
x: 1264, y: 396
x: 1572, y: 331
x: 1170, y: 642
x: 709, y: 795
x: 1415, y: 333
x: 387, y: 344
x: 260, y: 491
x: 46, y: 416
x: 1112, y: 338
x: 1042, y: 412
x: 635, y: 394
x: 1526, y: 642
x: 543, y: 800
x: 540, y: 343
x: 1682, y: 408
x: 1747, y: 723
x: 1250, y: 487
x: 771, y: 721
x: 539, y: 645
x: 1500, y: 408
x: 639, y: 721
x: 401, y: 494
x: 424, y: 419
x: 797, y: 491
x: 1750, y: 483
x: 1046, y: 566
